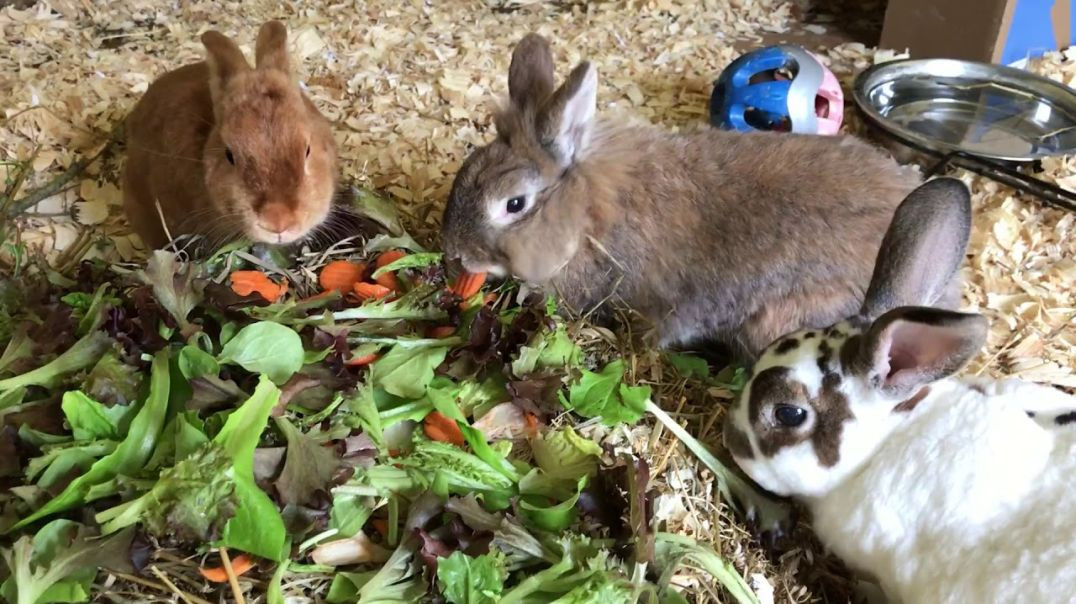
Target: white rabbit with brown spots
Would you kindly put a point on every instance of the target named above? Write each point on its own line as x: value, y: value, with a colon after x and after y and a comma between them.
x: 945, y: 489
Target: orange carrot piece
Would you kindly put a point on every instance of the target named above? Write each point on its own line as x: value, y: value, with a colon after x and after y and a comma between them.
x: 361, y: 361
x: 469, y: 284
x: 367, y: 291
x: 381, y: 525
x: 388, y: 281
x: 443, y: 429
x: 246, y: 283
x: 240, y: 565
x: 387, y: 258
x: 341, y: 275
x: 441, y: 331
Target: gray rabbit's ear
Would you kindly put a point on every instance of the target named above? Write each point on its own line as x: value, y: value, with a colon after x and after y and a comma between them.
x: 530, y: 76
x: 271, y: 49
x: 566, y: 120
x: 922, y: 249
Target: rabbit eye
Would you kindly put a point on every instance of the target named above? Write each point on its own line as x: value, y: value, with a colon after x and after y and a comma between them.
x: 228, y: 154
x: 516, y: 204
x: 790, y: 416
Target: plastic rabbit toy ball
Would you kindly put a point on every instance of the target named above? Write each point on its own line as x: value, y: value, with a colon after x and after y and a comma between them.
x: 783, y: 88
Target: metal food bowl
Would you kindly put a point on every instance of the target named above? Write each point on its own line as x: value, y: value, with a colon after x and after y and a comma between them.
x: 976, y: 115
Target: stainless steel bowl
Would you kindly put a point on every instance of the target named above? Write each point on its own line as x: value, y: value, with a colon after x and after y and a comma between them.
x: 986, y: 110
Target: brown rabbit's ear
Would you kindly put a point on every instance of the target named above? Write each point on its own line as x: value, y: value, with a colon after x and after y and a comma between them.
x: 225, y: 61
x: 271, y: 51
x: 922, y: 249
x: 530, y: 76
x: 565, y: 121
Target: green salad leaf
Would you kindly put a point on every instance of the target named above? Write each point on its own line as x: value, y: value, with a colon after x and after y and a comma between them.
x: 129, y: 457
x: 111, y: 381
x: 190, y: 501
x: 417, y: 260
x: 407, y: 372
x: 60, y: 563
x: 84, y: 353
x: 256, y: 526
x: 564, y: 454
x: 464, y: 579
x: 268, y: 348
x: 605, y: 396
x: 90, y: 420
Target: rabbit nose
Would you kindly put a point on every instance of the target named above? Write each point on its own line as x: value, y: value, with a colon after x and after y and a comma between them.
x: 276, y: 218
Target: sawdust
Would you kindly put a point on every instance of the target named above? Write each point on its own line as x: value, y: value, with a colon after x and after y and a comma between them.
x: 410, y: 87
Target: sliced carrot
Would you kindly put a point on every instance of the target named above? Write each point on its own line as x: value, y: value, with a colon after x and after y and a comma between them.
x: 532, y: 423
x: 441, y: 331
x: 361, y: 361
x: 246, y: 283
x: 388, y: 281
x: 381, y: 525
x: 240, y: 565
x: 469, y: 284
x: 443, y: 429
x: 341, y: 275
x: 387, y: 258
x: 367, y: 291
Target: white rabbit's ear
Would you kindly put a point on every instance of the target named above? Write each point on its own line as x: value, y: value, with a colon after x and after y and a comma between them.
x: 909, y: 347
x: 530, y: 76
x: 922, y: 249
x: 565, y: 122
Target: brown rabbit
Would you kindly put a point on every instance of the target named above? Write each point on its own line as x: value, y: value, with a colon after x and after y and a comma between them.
x: 723, y: 236
x: 226, y: 151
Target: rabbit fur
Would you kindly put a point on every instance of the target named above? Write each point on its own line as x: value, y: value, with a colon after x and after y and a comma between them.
x: 944, y: 489
x: 712, y: 236
x: 226, y: 151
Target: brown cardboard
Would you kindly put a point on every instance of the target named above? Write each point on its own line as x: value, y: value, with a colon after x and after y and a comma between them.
x: 956, y: 29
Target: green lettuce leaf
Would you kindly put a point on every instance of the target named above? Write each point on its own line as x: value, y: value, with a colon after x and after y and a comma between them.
x: 112, y: 381
x: 130, y: 456
x: 562, y: 453
x: 257, y: 526
x: 463, y: 579
x: 605, y: 396
x: 407, y: 372
x: 195, y: 363
x: 190, y: 502
x: 418, y: 260
x: 60, y: 563
x: 90, y: 420
x: 84, y: 353
x: 264, y: 347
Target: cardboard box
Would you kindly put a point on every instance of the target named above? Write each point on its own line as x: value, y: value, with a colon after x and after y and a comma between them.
x: 993, y: 31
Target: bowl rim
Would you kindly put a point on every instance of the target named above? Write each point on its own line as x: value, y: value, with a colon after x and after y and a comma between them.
x: 1056, y: 93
